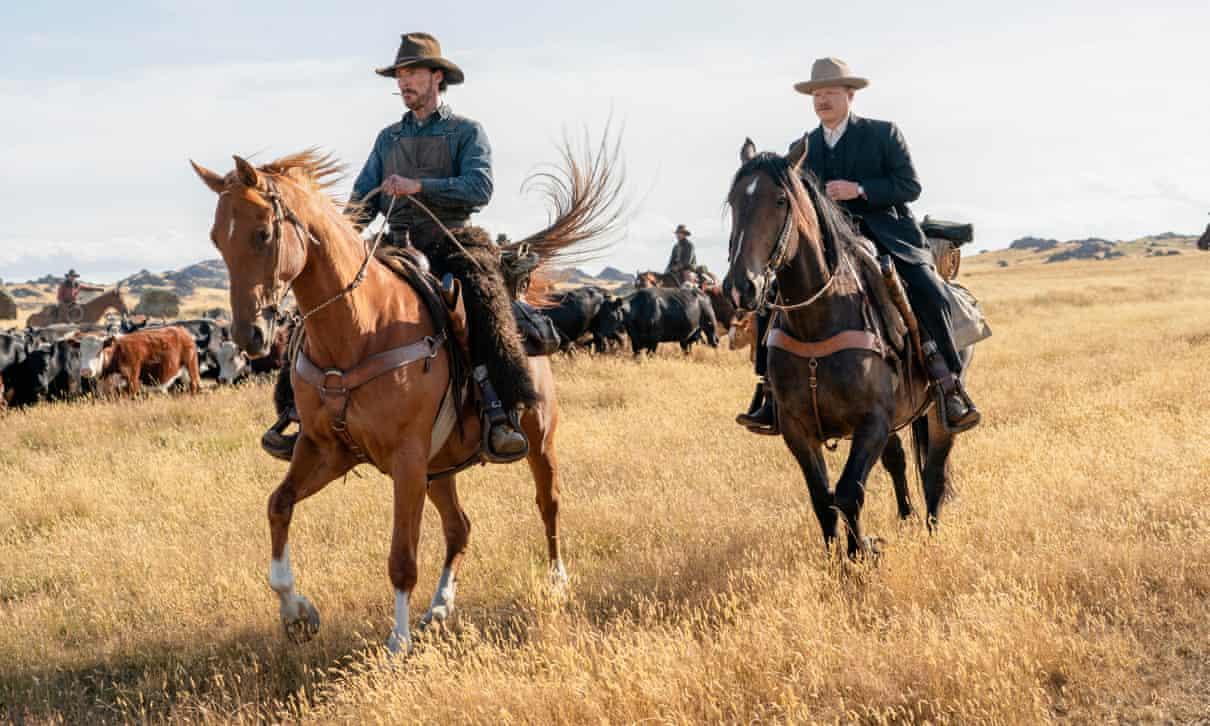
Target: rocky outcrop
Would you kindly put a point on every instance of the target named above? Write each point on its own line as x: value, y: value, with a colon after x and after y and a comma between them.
x: 159, y: 304
x: 1034, y: 243
x: 208, y: 273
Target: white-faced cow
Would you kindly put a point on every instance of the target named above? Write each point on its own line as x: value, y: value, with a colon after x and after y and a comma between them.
x: 156, y: 356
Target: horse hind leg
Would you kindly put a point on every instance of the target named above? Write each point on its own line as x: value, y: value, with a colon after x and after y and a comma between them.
x: 456, y: 526
x: 544, y: 465
x: 935, y: 469
x: 310, y: 470
x: 894, y: 460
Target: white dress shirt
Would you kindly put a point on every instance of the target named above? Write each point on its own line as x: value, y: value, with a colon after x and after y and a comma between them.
x: 832, y: 136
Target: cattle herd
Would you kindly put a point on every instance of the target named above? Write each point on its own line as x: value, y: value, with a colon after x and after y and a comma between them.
x: 123, y: 355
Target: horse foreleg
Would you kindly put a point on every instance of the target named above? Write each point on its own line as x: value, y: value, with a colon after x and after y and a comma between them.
x: 443, y: 493
x: 815, y: 471
x: 411, y: 479
x: 869, y: 441
x: 310, y: 470
x: 895, y: 461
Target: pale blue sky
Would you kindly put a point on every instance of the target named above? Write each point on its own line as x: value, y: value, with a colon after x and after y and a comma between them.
x: 1064, y: 119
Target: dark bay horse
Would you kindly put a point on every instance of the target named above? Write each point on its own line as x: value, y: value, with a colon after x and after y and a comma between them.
x: 277, y: 229
x: 89, y: 312
x: 832, y: 387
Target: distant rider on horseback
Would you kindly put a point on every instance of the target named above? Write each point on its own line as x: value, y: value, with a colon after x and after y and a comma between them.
x: 865, y: 167
x: 444, y: 161
x: 69, y: 293
x: 683, y: 258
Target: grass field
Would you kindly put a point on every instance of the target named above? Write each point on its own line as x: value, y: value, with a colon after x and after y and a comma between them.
x: 1070, y: 580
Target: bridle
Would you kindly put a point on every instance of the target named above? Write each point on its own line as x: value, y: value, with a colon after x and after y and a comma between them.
x: 779, y: 258
x: 282, y: 214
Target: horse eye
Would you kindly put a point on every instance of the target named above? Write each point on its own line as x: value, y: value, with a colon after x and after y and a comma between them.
x: 782, y: 200
x: 261, y: 237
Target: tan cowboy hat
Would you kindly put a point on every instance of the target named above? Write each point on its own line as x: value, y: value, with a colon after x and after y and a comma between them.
x: 680, y: 228
x: 830, y: 72
x: 422, y: 49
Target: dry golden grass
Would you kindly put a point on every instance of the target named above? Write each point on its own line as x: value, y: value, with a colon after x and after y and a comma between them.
x: 1070, y: 580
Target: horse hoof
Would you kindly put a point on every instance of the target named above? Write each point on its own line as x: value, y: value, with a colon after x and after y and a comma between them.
x: 301, y: 620
x: 438, y: 614
x: 399, y: 645
x: 873, y: 547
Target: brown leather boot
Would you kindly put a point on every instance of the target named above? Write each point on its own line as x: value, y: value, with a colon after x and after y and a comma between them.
x: 960, y: 412
x: 503, y: 440
x: 761, y: 417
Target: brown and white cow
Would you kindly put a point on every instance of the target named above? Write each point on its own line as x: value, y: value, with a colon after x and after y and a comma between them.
x: 159, y: 356
x: 743, y: 333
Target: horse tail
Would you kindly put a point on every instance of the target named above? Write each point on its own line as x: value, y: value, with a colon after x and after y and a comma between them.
x: 585, y: 198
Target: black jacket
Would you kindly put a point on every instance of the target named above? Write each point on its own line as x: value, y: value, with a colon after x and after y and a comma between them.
x: 874, y: 154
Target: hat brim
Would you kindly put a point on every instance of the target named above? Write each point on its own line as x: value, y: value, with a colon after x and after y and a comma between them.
x: 453, y: 74
x: 810, y: 87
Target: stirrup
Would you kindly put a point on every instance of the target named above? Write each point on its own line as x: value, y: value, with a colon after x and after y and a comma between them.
x: 969, y: 421
x: 491, y: 422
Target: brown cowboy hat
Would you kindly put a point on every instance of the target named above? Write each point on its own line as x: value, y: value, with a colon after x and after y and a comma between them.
x: 682, y: 228
x: 423, y: 50
x: 830, y: 72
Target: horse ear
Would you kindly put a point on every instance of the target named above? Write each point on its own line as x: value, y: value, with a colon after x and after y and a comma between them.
x: 798, y: 153
x: 747, y: 151
x: 209, y: 178
x: 247, y: 173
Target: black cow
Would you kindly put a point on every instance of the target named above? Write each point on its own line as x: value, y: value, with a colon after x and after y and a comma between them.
x: 12, y: 353
x: 577, y: 314
x: 47, y: 372
x: 657, y: 315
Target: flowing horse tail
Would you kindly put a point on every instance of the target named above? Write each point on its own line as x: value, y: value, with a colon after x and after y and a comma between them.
x: 585, y: 198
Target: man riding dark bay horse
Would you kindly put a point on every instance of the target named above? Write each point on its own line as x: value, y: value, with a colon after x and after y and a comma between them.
x: 444, y: 161
x: 683, y: 258
x: 865, y: 167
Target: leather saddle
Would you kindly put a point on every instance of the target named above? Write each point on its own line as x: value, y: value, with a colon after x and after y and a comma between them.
x: 967, y: 319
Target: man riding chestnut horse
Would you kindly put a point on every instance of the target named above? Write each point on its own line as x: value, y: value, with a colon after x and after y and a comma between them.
x: 864, y: 166
x: 444, y: 160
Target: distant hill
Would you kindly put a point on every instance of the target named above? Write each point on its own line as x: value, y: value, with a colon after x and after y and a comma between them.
x: 613, y: 274
x: 208, y: 273
x: 1043, y: 250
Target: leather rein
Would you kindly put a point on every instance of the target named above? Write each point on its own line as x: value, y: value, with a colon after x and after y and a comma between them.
x: 336, y: 397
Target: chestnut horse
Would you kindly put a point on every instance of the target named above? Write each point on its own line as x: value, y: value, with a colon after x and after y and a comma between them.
x: 90, y: 312
x: 277, y: 229
x: 651, y: 278
x: 828, y: 378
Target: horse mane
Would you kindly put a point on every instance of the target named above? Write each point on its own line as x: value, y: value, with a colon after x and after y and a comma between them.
x: 585, y: 200
x: 320, y: 169
x: 817, y: 216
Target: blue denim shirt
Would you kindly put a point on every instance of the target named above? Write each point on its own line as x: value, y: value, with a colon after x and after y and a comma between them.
x: 471, y: 186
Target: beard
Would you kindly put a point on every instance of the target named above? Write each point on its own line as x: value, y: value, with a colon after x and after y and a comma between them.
x: 418, y: 99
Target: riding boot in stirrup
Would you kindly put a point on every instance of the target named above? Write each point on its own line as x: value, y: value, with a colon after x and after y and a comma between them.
x: 503, y: 440
x: 761, y: 417
x: 277, y: 444
x: 957, y: 408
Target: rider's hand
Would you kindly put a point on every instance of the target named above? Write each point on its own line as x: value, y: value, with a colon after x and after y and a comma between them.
x: 842, y: 191
x: 400, y: 186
